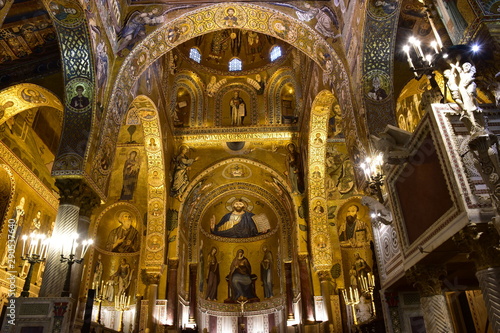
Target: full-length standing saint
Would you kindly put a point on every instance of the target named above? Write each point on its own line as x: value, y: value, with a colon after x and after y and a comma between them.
x: 238, y: 109
x: 266, y: 272
x: 130, y: 175
x: 213, y: 277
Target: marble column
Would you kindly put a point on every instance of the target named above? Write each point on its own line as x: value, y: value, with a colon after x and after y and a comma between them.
x: 325, y: 281
x: 427, y: 279
x: 481, y: 242
x: 74, y: 193
x: 172, y: 301
x: 289, y: 291
x: 151, y: 280
x: 306, y: 289
x: 193, y: 271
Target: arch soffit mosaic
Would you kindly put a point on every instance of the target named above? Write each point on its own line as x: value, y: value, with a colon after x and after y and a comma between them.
x: 146, y: 113
x: 319, y: 232
x: 25, y: 96
x: 78, y: 71
x: 203, y: 21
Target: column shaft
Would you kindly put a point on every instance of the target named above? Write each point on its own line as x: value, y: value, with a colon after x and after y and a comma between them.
x: 193, y: 271
x: 55, y: 271
x: 489, y: 283
x: 289, y: 290
x: 436, y: 316
x: 172, y: 292
x: 306, y: 290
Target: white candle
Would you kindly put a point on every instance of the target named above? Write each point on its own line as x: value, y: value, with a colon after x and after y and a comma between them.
x: 24, y: 243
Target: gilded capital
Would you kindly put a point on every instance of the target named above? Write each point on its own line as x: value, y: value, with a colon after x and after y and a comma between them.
x: 324, y: 276
x: 427, y: 279
x: 150, y: 278
x: 303, y: 257
x: 75, y: 191
x: 481, y: 242
x: 173, y: 263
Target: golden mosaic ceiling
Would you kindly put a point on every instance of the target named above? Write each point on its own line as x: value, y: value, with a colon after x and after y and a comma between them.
x: 219, y: 47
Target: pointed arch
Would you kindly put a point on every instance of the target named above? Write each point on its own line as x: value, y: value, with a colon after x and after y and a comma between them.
x: 143, y: 110
x: 283, y: 203
x: 205, y: 20
x: 24, y: 96
x: 193, y: 84
x: 318, y: 132
x: 276, y: 83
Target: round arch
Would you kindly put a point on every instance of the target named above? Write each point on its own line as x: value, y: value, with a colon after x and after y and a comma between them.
x: 21, y: 97
x: 208, y: 19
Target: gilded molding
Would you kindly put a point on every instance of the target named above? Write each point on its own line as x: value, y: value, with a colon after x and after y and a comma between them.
x: 18, y: 167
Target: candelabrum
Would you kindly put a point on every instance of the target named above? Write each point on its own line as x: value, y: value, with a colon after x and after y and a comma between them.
x: 100, y: 295
x: 37, y: 252
x: 367, y: 286
x: 122, y: 303
x: 422, y: 62
x: 351, y: 298
x: 372, y: 167
x: 71, y: 258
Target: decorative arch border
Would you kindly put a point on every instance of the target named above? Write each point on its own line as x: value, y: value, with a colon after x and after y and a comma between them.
x: 207, y: 171
x: 191, y: 82
x: 319, y: 237
x: 78, y: 70
x: 9, y: 204
x: 155, y: 230
x: 277, y: 81
x: 285, y: 221
x: 236, y: 86
x: 208, y: 19
x: 25, y: 96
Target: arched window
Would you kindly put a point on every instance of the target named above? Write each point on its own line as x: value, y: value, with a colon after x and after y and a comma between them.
x: 195, y: 54
x: 235, y: 64
x: 275, y: 52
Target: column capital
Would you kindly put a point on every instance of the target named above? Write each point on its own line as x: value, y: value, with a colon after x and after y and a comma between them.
x: 150, y: 278
x: 481, y: 242
x: 173, y: 263
x: 303, y: 256
x: 324, y: 275
x: 75, y: 191
x: 426, y: 278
